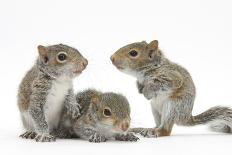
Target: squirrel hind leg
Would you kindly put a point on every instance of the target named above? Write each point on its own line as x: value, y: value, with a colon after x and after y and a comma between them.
x: 160, y: 132
x: 152, y: 132
x: 27, y: 121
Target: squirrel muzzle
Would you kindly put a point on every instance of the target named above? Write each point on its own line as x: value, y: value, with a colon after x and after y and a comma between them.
x: 115, y: 62
x: 82, y: 66
x: 124, y: 126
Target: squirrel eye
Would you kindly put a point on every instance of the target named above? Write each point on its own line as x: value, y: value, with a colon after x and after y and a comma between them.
x: 133, y: 53
x: 107, y: 112
x: 61, y: 57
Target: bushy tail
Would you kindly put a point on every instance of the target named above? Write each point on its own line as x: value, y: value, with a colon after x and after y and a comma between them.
x: 219, y: 119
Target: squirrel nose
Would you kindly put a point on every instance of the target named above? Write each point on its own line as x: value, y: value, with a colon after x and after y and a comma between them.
x: 112, y: 58
x: 84, y: 63
x: 125, y: 126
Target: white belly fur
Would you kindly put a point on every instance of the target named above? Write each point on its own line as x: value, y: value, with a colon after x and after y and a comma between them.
x: 158, y: 102
x: 55, y: 101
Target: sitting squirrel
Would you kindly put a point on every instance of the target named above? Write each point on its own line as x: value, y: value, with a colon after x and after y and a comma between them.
x: 103, y: 116
x: 47, y: 88
x: 170, y: 89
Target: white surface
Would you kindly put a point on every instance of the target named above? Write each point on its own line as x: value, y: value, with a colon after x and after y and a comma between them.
x: 196, y: 34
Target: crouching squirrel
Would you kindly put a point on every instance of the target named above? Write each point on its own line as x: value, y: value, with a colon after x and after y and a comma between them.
x: 103, y: 116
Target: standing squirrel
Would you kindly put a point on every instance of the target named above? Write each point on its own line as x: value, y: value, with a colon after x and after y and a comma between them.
x: 47, y: 88
x: 103, y: 116
x: 170, y: 89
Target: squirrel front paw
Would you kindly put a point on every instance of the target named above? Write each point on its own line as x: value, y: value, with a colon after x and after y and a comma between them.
x: 148, y: 133
x: 28, y: 135
x: 128, y: 137
x: 45, y: 138
x: 149, y: 91
x: 147, y: 95
x: 140, y: 87
x: 73, y: 110
x: 97, y: 138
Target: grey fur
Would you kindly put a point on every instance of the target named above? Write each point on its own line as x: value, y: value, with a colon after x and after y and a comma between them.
x: 92, y: 125
x: 36, y: 91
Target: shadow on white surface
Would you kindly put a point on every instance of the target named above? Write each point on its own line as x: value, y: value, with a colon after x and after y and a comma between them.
x: 176, y: 144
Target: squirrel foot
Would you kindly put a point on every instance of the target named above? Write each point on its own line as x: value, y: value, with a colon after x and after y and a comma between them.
x: 44, y: 138
x: 161, y: 132
x: 154, y: 132
x: 97, y: 138
x: 128, y: 137
x: 28, y: 135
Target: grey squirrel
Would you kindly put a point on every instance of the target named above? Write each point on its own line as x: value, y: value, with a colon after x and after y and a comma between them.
x: 47, y: 88
x: 170, y: 89
x: 103, y: 116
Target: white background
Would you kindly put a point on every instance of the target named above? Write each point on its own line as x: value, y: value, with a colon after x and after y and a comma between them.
x: 196, y: 34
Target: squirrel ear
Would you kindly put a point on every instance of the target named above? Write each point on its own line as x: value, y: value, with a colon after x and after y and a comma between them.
x: 43, y: 53
x: 152, y: 48
x: 42, y: 50
x: 144, y: 42
x: 94, y: 99
x: 153, y: 45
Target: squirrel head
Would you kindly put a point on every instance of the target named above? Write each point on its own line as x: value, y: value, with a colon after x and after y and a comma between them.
x: 61, y: 60
x: 112, y: 111
x: 137, y: 56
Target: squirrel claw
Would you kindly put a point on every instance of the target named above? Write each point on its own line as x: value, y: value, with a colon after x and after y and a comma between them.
x: 97, y: 138
x: 44, y: 138
x: 149, y: 133
x: 128, y: 137
x: 28, y: 135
